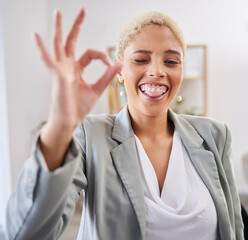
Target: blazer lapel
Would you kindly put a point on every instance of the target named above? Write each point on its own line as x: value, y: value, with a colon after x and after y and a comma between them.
x: 125, y: 158
x: 204, y: 162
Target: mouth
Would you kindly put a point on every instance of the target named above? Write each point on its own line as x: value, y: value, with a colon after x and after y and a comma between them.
x: 153, y: 91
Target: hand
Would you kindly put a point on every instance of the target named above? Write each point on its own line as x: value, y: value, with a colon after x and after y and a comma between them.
x: 72, y: 98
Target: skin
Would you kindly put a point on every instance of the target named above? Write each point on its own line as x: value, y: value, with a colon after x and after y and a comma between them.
x: 70, y: 91
x: 161, y: 63
x: 154, y: 57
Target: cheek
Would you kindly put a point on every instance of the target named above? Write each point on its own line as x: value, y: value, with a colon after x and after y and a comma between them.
x: 131, y: 75
x: 130, y: 86
x: 177, y: 75
x: 131, y: 80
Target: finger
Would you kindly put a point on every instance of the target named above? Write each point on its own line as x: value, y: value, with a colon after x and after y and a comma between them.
x: 57, y: 38
x: 107, y: 77
x: 44, y: 53
x: 90, y: 54
x: 73, y: 35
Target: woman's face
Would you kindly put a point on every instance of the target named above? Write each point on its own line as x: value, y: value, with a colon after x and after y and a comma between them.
x: 152, y: 70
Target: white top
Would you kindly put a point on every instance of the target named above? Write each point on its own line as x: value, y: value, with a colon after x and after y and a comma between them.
x: 185, y: 209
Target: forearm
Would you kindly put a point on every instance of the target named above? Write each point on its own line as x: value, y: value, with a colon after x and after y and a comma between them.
x: 54, y: 142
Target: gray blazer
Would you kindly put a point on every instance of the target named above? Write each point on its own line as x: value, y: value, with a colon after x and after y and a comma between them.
x: 102, y: 160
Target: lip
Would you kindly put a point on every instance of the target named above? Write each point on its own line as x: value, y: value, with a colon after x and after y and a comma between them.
x: 153, y: 99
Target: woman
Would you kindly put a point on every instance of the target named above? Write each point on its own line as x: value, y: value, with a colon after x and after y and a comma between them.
x: 147, y: 173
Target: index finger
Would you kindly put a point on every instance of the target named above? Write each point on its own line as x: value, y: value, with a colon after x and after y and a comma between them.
x: 73, y: 35
x: 90, y: 55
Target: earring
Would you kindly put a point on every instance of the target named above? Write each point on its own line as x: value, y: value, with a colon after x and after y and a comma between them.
x: 122, y: 93
x: 179, y: 96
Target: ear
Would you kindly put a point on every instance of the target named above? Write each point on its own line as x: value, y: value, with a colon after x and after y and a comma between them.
x: 120, y: 78
x: 119, y: 75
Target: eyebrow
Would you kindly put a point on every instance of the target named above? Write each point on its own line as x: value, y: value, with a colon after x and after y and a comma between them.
x: 142, y: 51
x: 149, y: 52
x: 173, y: 52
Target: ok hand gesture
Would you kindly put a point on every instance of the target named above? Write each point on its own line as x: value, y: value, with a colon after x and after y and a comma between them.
x: 72, y: 98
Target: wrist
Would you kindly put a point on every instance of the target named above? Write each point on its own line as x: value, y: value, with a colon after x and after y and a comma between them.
x: 54, y: 143
x: 54, y: 133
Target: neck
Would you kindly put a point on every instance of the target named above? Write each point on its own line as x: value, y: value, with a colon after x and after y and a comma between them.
x: 153, y: 127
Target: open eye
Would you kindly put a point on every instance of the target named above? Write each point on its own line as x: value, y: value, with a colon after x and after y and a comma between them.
x: 172, y: 62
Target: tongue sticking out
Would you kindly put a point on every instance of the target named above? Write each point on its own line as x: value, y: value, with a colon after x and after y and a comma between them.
x: 153, y: 90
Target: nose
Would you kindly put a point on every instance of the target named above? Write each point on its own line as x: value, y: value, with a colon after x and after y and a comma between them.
x: 156, y: 75
x: 156, y: 70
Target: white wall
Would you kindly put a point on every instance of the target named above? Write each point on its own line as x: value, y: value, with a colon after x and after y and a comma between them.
x: 27, y: 80
x: 5, y: 184
x: 222, y: 25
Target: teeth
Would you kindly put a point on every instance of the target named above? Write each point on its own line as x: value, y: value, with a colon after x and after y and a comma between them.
x: 149, y: 89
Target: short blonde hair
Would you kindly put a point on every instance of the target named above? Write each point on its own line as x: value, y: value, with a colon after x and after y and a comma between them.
x: 136, y: 24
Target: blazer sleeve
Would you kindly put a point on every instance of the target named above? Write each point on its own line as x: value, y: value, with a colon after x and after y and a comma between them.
x: 43, y: 202
x: 228, y: 167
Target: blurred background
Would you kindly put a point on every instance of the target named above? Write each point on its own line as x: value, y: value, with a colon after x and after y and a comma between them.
x: 25, y: 83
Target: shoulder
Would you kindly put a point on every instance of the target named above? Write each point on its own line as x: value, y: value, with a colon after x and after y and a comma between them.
x: 204, y: 124
x: 98, y: 122
x: 94, y: 125
x: 213, y: 132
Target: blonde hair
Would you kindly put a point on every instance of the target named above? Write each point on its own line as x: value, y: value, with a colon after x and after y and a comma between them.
x: 136, y: 24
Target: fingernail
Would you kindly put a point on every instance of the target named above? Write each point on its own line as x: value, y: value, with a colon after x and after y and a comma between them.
x: 107, y: 61
x: 110, y: 61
